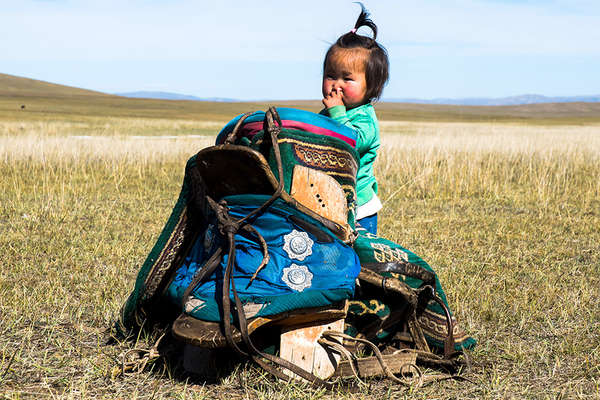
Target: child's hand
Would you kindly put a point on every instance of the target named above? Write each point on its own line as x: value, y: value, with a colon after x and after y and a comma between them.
x: 333, y: 98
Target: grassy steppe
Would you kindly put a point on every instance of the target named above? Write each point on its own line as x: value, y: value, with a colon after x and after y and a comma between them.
x: 45, y: 102
x: 507, y: 213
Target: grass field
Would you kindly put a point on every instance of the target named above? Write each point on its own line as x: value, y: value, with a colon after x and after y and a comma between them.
x: 508, y: 213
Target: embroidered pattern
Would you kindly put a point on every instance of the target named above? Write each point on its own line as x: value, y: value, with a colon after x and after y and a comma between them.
x: 384, y: 253
x: 434, y: 326
x: 325, y: 159
x: 165, y: 260
x: 364, y: 307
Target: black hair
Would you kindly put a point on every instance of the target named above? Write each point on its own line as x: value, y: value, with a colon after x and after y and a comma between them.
x: 377, y: 63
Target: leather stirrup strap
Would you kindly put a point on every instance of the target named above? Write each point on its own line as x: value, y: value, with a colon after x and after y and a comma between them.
x: 449, y: 351
x: 271, y: 116
x: 203, y: 272
x: 233, y: 135
x: 404, y: 268
x: 226, y: 299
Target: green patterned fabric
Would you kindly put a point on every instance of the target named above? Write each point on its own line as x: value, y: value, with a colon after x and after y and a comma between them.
x: 364, y: 312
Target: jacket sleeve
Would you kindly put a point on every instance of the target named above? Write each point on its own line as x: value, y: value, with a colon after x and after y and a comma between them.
x: 362, y: 124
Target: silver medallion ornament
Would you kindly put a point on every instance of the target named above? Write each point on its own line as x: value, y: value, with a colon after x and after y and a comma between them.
x: 297, y: 277
x: 297, y: 245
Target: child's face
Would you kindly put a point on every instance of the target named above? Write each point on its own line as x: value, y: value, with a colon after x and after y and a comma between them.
x: 345, y: 73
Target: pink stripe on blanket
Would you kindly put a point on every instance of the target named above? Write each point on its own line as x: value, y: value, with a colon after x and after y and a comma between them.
x: 252, y: 128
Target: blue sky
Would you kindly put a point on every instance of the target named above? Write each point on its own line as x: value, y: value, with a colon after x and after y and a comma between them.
x: 274, y: 49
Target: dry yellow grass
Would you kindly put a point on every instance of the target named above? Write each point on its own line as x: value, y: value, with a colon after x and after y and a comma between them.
x: 508, y: 215
x: 494, y: 137
x: 109, y: 149
x: 107, y: 126
x: 455, y: 159
x: 71, y: 139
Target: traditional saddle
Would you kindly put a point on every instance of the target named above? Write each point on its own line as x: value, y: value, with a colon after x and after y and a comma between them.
x: 263, y: 237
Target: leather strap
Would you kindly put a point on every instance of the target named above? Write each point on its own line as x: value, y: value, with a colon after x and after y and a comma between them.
x: 404, y: 268
x: 233, y: 135
x: 202, y: 273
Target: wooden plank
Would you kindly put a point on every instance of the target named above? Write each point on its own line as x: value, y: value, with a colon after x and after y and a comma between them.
x: 299, y: 346
x: 319, y: 192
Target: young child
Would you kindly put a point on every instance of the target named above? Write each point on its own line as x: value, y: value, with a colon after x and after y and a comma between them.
x: 355, y: 71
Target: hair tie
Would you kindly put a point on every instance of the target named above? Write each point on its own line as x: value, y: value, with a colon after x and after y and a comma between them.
x: 353, y: 30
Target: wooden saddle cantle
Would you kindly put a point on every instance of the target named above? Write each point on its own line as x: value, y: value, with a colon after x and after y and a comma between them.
x: 227, y: 169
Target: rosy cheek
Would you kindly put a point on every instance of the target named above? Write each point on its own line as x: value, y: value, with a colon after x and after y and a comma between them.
x: 350, y: 91
x: 326, y: 87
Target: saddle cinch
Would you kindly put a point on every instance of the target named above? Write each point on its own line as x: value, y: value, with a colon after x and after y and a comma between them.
x: 263, y: 239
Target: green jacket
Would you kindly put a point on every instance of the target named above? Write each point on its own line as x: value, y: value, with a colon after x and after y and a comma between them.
x: 363, y: 121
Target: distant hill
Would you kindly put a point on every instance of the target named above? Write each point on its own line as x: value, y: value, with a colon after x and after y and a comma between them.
x: 43, y: 100
x: 483, y: 101
x: 502, y: 101
x: 11, y: 85
x: 171, y: 96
